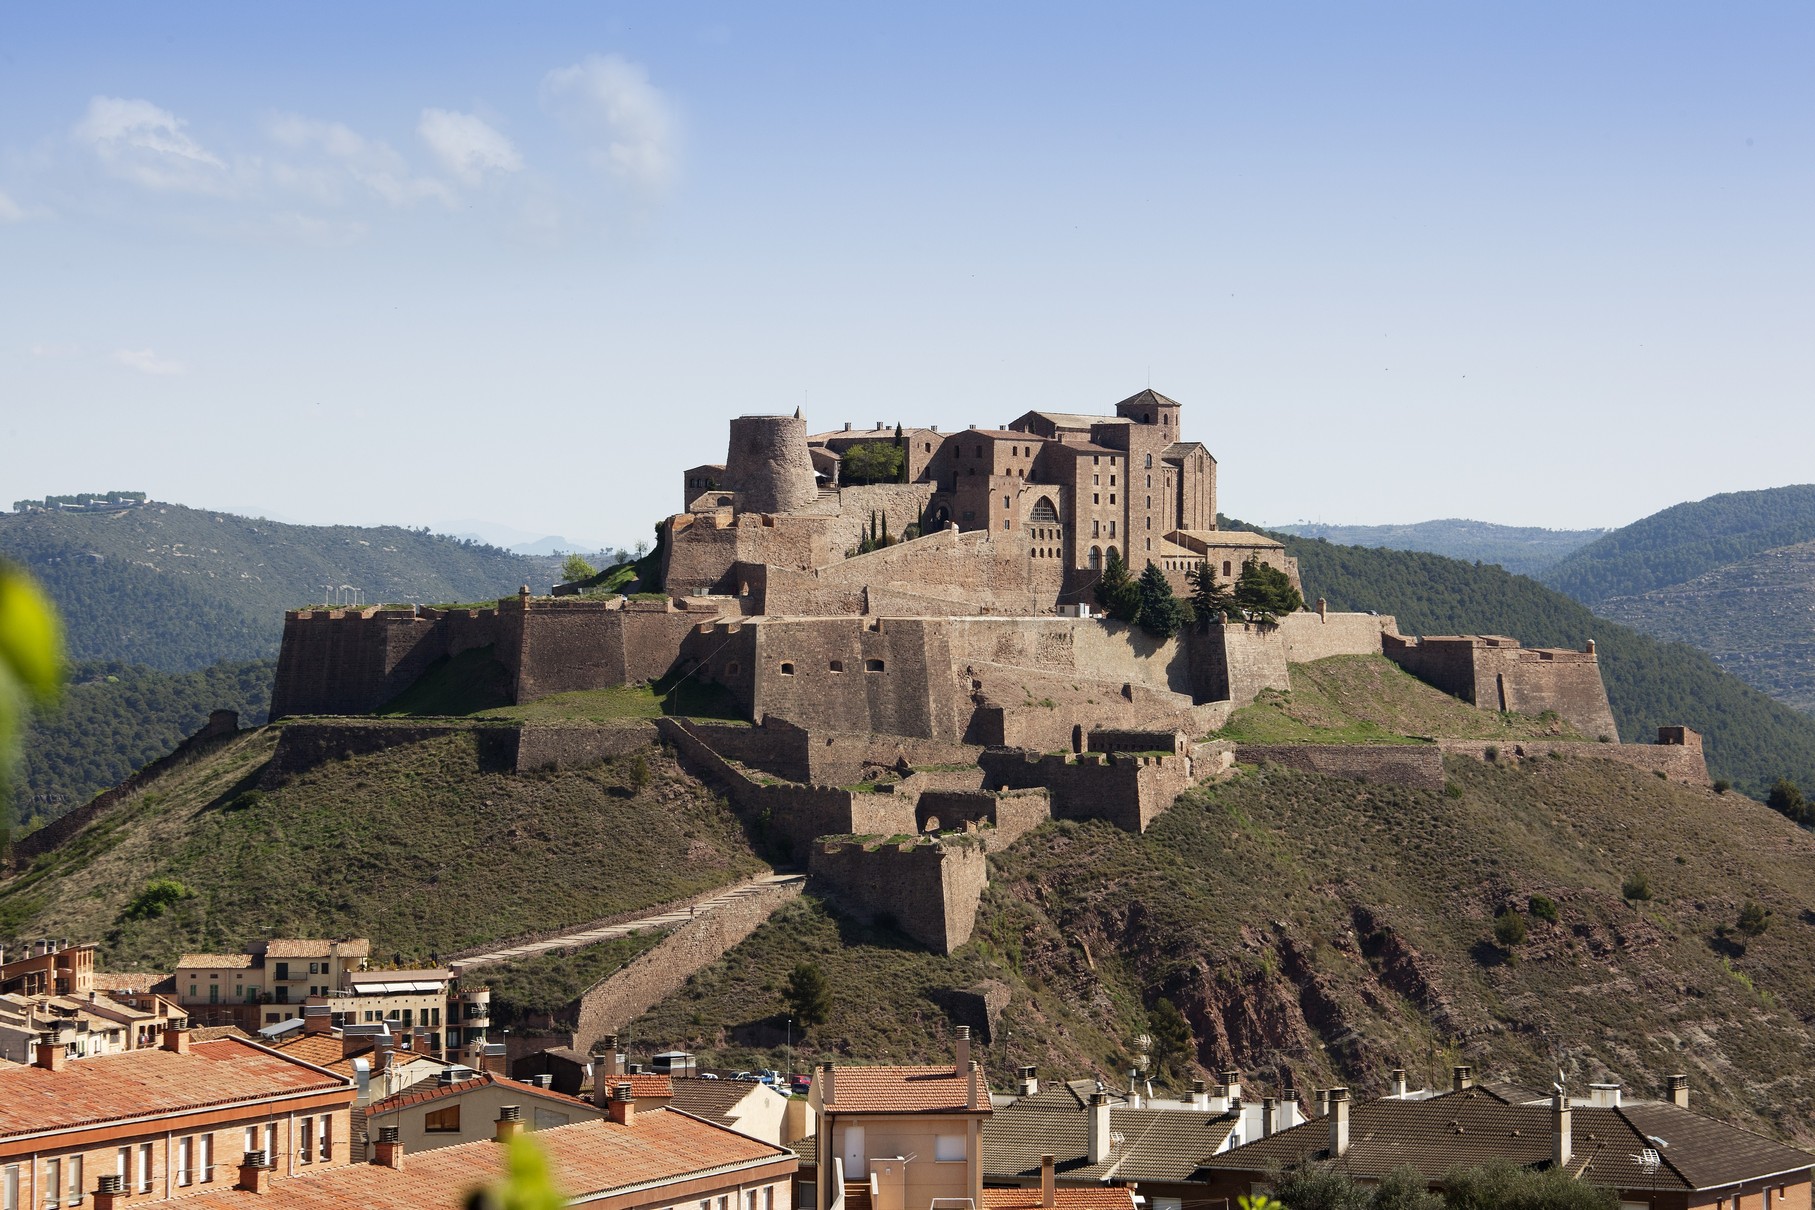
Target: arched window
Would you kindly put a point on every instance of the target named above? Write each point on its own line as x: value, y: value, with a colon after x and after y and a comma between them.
x: 1096, y: 558
x: 1149, y: 461
x: 1112, y: 553
x: 1044, y: 513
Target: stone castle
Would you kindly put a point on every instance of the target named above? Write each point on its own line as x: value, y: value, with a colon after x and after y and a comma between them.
x: 917, y: 704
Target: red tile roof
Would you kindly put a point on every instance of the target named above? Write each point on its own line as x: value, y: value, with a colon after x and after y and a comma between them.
x: 139, y: 1083
x: 905, y: 1090
x: 645, y: 1086
x: 587, y: 1159
x: 1065, y: 1197
x: 434, y: 1090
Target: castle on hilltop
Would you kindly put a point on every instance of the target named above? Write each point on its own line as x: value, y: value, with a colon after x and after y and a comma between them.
x: 904, y: 616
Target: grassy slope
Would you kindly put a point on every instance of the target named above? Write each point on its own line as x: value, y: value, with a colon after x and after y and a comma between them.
x: 179, y: 588
x: 1317, y: 930
x: 1685, y: 540
x: 1751, y: 739
x: 1353, y: 699
x: 414, y: 847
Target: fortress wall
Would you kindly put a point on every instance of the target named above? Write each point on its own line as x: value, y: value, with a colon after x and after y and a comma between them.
x: 1234, y: 661
x: 701, y: 553
x: 652, y: 637
x: 999, y: 819
x: 993, y: 569
x: 302, y: 746
x: 1127, y: 791
x: 1533, y: 681
x: 1443, y: 663
x: 777, y: 747
x: 576, y: 746
x: 621, y: 997
x: 1053, y: 712
x: 1680, y: 763
x: 566, y: 645
x: 1018, y: 812
x: 929, y: 891
x: 350, y: 661
x: 1080, y: 647
x: 1419, y: 766
x: 903, y: 502
x: 1309, y: 636
x: 839, y: 758
x: 855, y: 674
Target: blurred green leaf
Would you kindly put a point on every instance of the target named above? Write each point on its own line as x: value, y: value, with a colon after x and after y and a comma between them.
x: 31, y: 637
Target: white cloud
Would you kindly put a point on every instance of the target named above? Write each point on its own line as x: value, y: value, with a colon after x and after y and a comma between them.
x: 11, y: 211
x: 372, y: 164
x: 467, y: 145
x: 43, y: 349
x: 137, y: 140
x: 610, y: 99
x: 147, y: 362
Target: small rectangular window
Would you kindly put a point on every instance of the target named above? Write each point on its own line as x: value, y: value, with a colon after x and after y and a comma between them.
x: 948, y: 1148
x: 207, y: 1158
x: 185, y: 1160
x: 306, y: 1150
x: 787, y: 669
x: 144, y: 1168
x: 9, y: 1188
x: 872, y: 665
x: 442, y: 1121
x: 53, y: 1184
x: 73, y: 1166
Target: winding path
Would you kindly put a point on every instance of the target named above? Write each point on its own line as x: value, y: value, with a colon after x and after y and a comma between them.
x: 607, y: 932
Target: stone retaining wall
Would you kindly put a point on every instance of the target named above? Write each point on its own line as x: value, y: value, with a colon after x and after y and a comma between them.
x: 1419, y: 766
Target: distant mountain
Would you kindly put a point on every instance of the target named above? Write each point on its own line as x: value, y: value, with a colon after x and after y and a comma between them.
x: 1752, y: 739
x: 1686, y: 541
x: 1518, y: 549
x: 178, y: 588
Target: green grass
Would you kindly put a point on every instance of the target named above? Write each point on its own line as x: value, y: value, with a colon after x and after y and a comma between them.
x: 474, y: 685
x: 416, y: 847
x: 550, y: 983
x: 1354, y: 699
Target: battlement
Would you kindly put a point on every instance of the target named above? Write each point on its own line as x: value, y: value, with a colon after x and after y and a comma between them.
x: 1493, y: 672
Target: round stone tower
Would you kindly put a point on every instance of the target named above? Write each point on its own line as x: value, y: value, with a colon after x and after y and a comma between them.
x: 768, y: 466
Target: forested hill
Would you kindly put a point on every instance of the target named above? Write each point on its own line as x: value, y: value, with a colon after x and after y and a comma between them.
x: 1522, y: 549
x: 1752, y: 740
x: 1684, y: 541
x: 179, y: 588
x: 112, y: 719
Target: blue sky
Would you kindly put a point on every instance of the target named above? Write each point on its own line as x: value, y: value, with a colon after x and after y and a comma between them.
x: 1536, y: 264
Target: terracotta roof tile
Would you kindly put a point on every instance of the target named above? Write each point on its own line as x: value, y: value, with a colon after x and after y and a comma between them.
x: 139, y: 1082
x: 215, y: 962
x: 421, y: 1094
x: 711, y: 1099
x: 587, y: 1158
x: 646, y: 1085
x: 291, y: 947
x: 322, y: 1050
x: 1065, y: 1197
x: 905, y: 1090
x: 126, y: 981
x: 214, y: 1033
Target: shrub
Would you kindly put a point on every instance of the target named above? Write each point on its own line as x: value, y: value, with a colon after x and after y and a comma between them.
x: 1722, y: 785
x: 159, y: 895
x: 1753, y: 918
x: 1509, y: 928
x: 809, y: 997
x: 1787, y: 800
x: 1451, y: 790
x: 1544, y: 908
x: 1636, y: 886
x: 1491, y: 752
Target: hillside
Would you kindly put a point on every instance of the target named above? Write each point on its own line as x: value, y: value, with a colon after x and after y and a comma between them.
x: 1752, y: 616
x: 177, y: 588
x: 416, y: 846
x: 1685, y: 541
x: 1319, y: 931
x: 1752, y: 740
x: 1523, y: 550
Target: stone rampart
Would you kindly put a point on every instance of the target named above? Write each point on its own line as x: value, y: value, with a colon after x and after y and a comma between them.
x: 1027, y: 708
x: 1129, y: 791
x: 929, y: 889
x: 354, y: 661
x: 547, y: 746
x: 612, y: 1003
x: 1678, y: 762
x: 222, y: 725
x: 1493, y: 672
x: 999, y: 819
x: 1309, y: 635
x: 302, y: 746
x: 1418, y: 766
x: 768, y: 466
x: 1233, y: 661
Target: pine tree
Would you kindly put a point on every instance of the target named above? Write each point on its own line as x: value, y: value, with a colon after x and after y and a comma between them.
x: 885, y: 540
x: 808, y: 995
x: 901, y: 475
x: 1210, y: 601
x: 1161, y: 615
x: 1117, y: 593
x: 1265, y: 592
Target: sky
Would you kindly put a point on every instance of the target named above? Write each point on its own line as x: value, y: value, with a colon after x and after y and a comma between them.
x: 1538, y: 264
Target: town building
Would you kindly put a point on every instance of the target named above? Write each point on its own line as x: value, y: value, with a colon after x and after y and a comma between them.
x: 266, y: 984
x: 461, y: 1105
x: 48, y: 968
x: 162, y: 1123
x: 1656, y: 1154
x: 749, y: 1108
x: 93, y: 1024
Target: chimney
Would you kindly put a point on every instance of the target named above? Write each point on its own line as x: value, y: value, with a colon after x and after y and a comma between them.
x: 1339, y: 1122
x: 111, y: 1193
x: 1560, y: 1143
x: 1098, y: 1132
x: 1030, y: 1080
x: 601, y: 1080
x: 1399, y: 1088
x: 964, y: 1050
x: 1200, y: 1095
x: 1049, y: 1185
x: 1323, y: 1101
x: 1604, y: 1096
x: 847, y: 426
x: 1462, y: 1078
x: 623, y: 1107
x: 1268, y: 1107
x: 381, y: 1052
x: 176, y: 1040
x: 509, y: 1124
x: 825, y: 1086
x: 318, y: 1019
x: 52, y: 1056
x: 255, y: 1172
x: 970, y: 1091
x: 387, y: 1152
x: 1679, y: 1091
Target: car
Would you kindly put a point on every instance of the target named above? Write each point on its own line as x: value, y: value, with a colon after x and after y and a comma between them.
x: 772, y: 1078
x: 708, y: 1075
x: 748, y: 1077
x: 801, y: 1083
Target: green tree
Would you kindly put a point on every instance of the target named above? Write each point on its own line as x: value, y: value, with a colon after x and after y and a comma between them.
x: 1544, y: 908
x: 1786, y: 799
x: 527, y: 1183
x: 808, y: 995
x: 1501, y: 1185
x: 1171, y: 1035
x: 1319, y: 1187
x: 1637, y: 886
x: 1509, y: 928
x: 1264, y: 591
x: 1161, y: 614
x: 1117, y: 593
x: 1404, y: 1188
x: 1210, y: 600
x: 901, y: 462
x: 1753, y: 918
x: 872, y: 462
x: 576, y: 568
